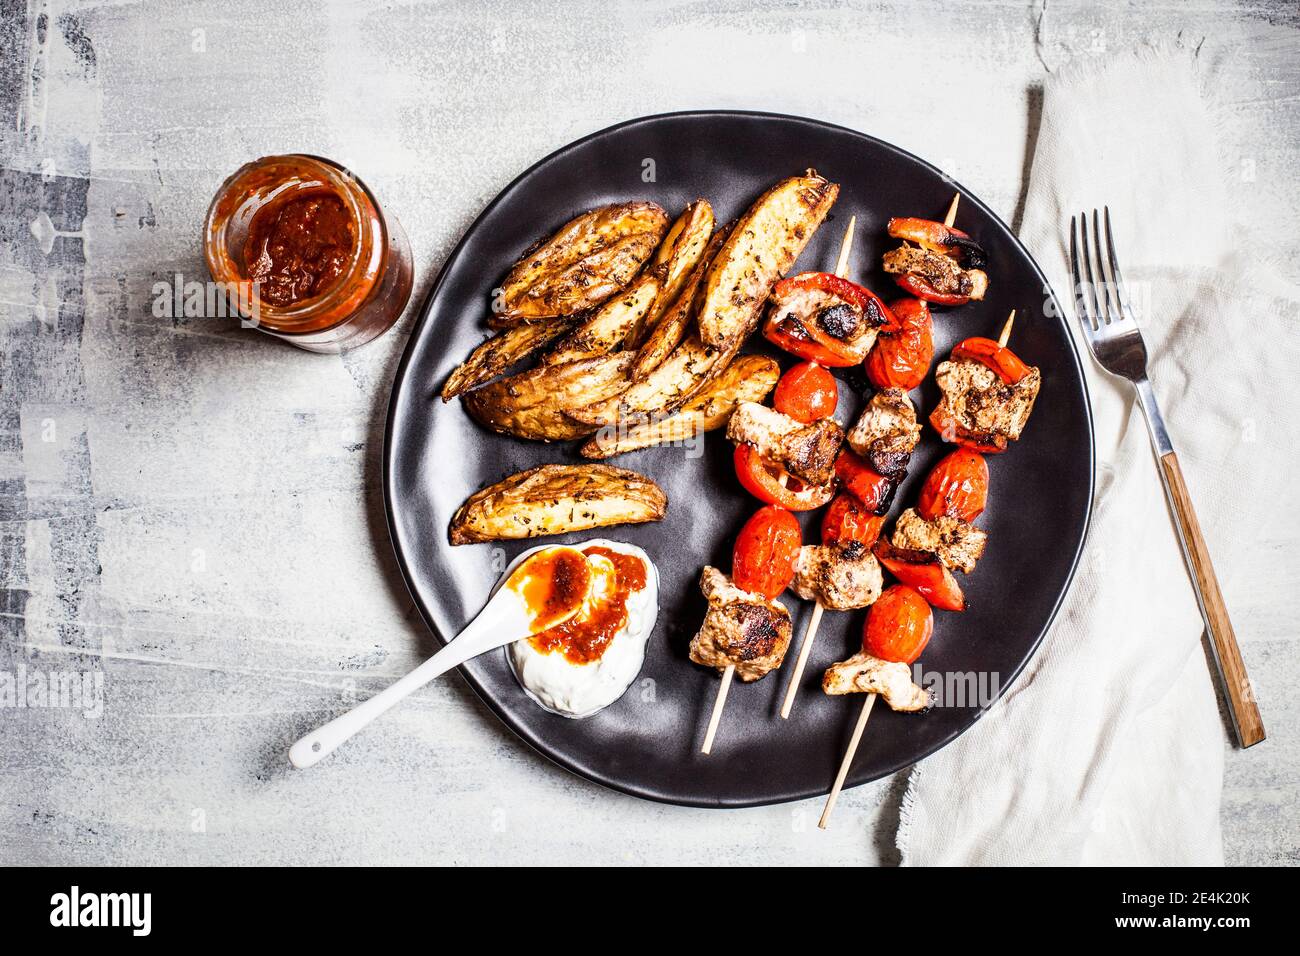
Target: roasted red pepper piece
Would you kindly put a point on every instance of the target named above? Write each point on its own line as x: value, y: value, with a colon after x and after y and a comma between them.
x: 997, y: 357
x: 935, y: 236
x: 957, y: 487
x: 901, y: 359
x: 924, y: 571
x: 913, y: 283
x: 762, y: 561
x: 898, y: 626
x: 772, y: 484
x: 846, y: 521
x: 873, y: 490
x: 809, y: 342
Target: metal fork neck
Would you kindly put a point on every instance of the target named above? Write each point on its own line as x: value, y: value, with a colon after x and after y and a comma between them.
x: 1155, y: 421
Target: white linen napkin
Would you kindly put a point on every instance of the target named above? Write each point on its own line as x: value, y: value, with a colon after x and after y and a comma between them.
x: 1109, y: 747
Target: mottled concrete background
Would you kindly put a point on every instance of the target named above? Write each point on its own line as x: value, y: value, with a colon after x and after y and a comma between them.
x: 191, y: 513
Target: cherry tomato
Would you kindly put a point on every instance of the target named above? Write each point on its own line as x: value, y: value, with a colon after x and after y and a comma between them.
x: 766, y: 548
x: 873, y: 490
x: 772, y: 484
x: 898, y: 625
x: 997, y: 357
x: 806, y: 393
x: 901, y: 359
x: 949, y: 430
x: 913, y: 283
x: 924, y: 571
x: 846, y: 521
x: 957, y: 487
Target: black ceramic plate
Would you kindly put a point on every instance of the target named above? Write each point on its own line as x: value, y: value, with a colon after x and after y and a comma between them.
x: 648, y: 743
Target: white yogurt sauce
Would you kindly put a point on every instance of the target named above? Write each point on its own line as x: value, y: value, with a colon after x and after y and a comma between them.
x: 572, y: 689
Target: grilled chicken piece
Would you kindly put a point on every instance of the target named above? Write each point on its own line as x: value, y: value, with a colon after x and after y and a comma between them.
x: 958, y: 543
x: 740, y: 628
x: 943, y: 273
x: 807, y: 451
x: 841, y: 577
x: 557, y: 499
x: 887, y: 431
x: 864, y: 674
x: 977, y: 399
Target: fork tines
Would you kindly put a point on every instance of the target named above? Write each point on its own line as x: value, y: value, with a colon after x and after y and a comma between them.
x: 1099, y: 299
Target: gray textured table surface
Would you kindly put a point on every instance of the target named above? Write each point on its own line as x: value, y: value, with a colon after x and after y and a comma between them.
x: 193, y: 511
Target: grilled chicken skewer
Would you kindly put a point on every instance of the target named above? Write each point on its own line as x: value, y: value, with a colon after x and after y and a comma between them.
x: 741, y: 625
x: 746, y: 630
x: 814, y: 622
x: 954, y: 494
x: 861, y: 725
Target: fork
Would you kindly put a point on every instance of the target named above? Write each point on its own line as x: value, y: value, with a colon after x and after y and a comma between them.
x: 1112, y: 333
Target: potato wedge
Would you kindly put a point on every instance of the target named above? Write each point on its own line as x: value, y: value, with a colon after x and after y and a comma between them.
x: 760, y: 250
x: 557, y: 499
x: 609, y: 324
x: 501, y: 351
x: 748, y: 379
x: 687, y: 244
x: 668, y: 331
x: 583, y: 264
x: 689, y: 368
x: 532, y: 404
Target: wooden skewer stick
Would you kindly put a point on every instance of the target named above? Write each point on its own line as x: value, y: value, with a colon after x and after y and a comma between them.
x: 846, y: 249
x: 810, y: 635
x: 1006, y: 329
x: 847, y: 761
x: 718, y: 704
x: 949, y: 219
x: 805, y: 649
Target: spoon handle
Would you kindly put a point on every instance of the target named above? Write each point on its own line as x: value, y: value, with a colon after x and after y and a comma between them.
x: 485, y: 632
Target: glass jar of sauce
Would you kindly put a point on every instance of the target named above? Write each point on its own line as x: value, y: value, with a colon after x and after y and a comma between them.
x: 315, y: 260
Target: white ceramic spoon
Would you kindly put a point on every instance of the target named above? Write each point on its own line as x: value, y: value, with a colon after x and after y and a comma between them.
x: 505, y: 619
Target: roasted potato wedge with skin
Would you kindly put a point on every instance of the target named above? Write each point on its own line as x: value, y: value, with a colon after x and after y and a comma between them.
x: 748, y: 379
x: 664, y: 390
x: 760, y: 250
x: 666, y: 334
x: 687, y: 244
x: 557, y: 499
x: 501, y: 351
x: 532, y: 404
x: 610, y: 324
x: 670, y: 328
x: 582, y: 265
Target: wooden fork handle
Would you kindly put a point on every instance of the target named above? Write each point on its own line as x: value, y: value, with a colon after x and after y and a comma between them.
x: 1236, y: 684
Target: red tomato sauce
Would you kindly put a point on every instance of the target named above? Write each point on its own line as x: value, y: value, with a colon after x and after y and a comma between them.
x: 300, y: 246
x: 558, y: 583
x: 584, y: 637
